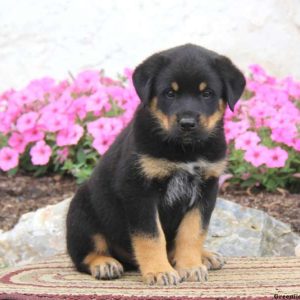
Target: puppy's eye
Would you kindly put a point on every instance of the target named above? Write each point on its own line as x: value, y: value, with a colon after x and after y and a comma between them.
x: 207, y: 93
x: 170, y: 93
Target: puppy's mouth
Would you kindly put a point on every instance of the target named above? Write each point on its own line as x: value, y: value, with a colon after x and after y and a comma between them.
x: 187, y: 138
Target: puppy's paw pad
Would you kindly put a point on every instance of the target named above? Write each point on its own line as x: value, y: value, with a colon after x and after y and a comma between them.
x: 195, y: 274
x: 162, y: 278
x: 108, y: 269
x: 213, y: 260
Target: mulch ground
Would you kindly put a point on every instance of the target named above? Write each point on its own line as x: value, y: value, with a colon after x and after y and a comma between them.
x: 21, y: 194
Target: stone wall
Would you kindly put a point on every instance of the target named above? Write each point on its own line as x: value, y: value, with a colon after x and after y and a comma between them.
x: 52, y: 37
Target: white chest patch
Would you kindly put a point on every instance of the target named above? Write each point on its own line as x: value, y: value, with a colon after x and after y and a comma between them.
x: 184, y: 187
x: 185, y: 184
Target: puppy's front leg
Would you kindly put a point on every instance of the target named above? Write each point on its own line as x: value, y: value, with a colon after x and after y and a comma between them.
x: 190, y: 258
x: 187, y: 256
x: 149, y: 245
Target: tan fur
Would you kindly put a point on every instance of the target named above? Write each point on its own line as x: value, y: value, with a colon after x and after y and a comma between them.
x: 172, y: 120
x: 165, y: 121
x: 160, y: 116
x: 94, y: 259
x: 100, y: 244
x: 210, y: 121
x: 202, y: 86
x: 189, y: 241
x: 214, y: 169
x: 175, y: 86
x: 150, y: 252
x: 100, y: 249
x: 160, y: 168
x: 100, y: 263
x: 156, y: 167
x: 104, y: 267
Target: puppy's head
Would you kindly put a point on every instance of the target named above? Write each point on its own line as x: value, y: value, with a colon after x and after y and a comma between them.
x: 186, y: 89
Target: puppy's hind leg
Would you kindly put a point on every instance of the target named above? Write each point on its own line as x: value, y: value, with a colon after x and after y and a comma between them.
x: 86, y: 244
x: 100, y: 263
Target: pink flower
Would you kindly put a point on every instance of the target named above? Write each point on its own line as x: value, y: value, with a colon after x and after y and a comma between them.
x: 69, y: 136
x: 53, y: 108
x: 27, y: 121
x: 78, y: 108
x: 44, y: 85
x: 247, y: 140
x: 276, y: 158
x: 6, y: 122
x: 102, y: 143
x: 18, y: 142
x: 62, y: 154
x: 97, y: 101
x: 9, y: 158
x: 283, y: 135
x: 105, y: 126
x: 24, y: 96
x: 87, y: 81
x: 296, y: 144
x: 40, y: 153
x: 54, y: 122
x: 256, y: 155
x: 235, y: 129
x: 34, y: 134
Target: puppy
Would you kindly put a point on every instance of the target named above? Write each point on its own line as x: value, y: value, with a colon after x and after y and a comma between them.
x: 149, y: 201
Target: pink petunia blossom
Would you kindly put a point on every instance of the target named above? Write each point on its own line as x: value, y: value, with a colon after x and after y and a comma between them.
x: 27, y: 121
x: 35, y: 134
x: 102, y: 143
x: 283, y: 135
x: 235, y: 129
x: 97, y: 101
x: 25, y: 96
x: 9, y: 158
x: 247, y: 140
x: 5, y: 123
x: 78, y: 108
x: 40, y: 153
x: 87, y: 81
x: 256, y: 155
x: 296, y: 144
x: 54, y: 122
x: 62, y: 154
x: 276, y: 158
x: 105, y: 126
x: 69, y: 136
x: 18, y: 142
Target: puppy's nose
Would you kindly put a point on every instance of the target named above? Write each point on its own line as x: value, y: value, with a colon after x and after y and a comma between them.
x: 187, y: 123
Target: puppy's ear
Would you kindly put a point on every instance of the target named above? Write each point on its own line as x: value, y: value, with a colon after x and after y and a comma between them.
x: 233, y: 80
x: 144, y: 76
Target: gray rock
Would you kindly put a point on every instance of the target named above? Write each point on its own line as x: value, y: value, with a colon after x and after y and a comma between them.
x: 234, y: 231
x: 37, y: 234
x: 239, y: 231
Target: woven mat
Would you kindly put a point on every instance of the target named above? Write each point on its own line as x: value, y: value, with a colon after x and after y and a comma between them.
x: 55, y: 278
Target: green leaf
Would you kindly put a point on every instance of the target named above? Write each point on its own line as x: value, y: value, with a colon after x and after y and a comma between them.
x: 13, y: 171
x: 80, y: 156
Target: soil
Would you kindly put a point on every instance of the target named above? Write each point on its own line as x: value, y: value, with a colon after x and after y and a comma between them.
x: 21, y: 194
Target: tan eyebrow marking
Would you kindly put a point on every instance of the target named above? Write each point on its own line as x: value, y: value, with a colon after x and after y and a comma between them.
x: 202, y: 86
x: 175, y: 86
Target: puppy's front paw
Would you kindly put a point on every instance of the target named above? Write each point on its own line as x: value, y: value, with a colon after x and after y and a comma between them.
x: 162, y: 278
x: 213, y: 260
x: 197, y: 273
x: 106, y: 268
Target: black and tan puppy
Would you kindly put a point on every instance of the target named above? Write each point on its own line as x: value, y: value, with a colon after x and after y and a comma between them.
x: 149, y: 201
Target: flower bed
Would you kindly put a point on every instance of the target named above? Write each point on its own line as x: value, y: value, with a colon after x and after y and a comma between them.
x: 65, y: 127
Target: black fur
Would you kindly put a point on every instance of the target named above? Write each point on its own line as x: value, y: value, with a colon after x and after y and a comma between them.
x: 118, y: 200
